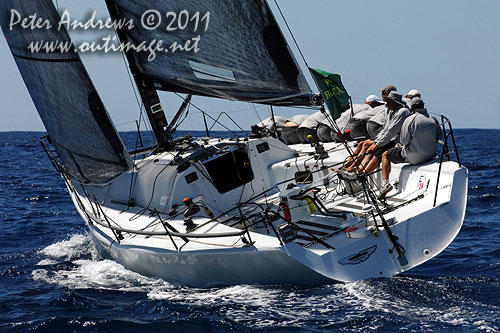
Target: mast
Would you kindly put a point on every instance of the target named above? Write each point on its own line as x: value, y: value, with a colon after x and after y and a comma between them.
x: 148, y: 92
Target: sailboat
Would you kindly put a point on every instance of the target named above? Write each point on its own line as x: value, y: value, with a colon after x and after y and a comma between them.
x: 210, y: 211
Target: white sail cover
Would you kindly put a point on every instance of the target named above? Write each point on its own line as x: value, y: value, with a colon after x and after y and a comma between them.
x: 73, y: 114
x: 242, y: 54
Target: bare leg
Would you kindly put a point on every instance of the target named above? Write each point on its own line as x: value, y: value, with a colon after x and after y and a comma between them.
x: 372, y: 165
x: 386, y: 171
x: 362, y: 163
x: 386, y: 167
x: 354, y: 156
x: 366, y: 161
x: 357, y: 156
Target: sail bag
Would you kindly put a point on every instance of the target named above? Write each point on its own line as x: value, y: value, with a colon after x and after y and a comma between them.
x: 84, y: 137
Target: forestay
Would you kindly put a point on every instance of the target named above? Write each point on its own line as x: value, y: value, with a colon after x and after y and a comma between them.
x: 69, y: 106
x: 226, y: 49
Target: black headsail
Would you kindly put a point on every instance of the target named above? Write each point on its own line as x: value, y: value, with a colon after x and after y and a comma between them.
x: 69, y: 106
x: 236, y: 50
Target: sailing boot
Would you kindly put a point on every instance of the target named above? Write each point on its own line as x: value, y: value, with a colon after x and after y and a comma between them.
x: 384, y: 190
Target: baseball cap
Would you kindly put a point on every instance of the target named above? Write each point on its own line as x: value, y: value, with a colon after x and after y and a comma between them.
x: 373, y: 98
x: 414, y: 93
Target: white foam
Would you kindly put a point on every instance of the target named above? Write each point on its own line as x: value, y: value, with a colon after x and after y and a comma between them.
x: 75, y: 247
x: 93, y: 273
x: 47, y: 262
x: 100, y: 274
x: 242, y: 294
x: 279, y: 306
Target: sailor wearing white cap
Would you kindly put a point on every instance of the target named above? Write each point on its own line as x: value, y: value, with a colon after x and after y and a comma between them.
x: 413, y: 93
x: 359, y: 126
x: 373, y: 98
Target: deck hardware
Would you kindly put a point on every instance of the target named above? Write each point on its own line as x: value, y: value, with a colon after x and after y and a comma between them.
x: 287, y: 233
x: 192, y: 209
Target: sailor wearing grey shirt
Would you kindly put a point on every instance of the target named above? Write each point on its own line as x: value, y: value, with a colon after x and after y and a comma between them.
x: 289, y: 133
x: 360, y: 126
x: 358, y: 155
x: 389, y: 135
x: 344, y: 121
x: 419, y: 135
x: 375, y: 123
x: 307, y: 130
x: 393, y: 120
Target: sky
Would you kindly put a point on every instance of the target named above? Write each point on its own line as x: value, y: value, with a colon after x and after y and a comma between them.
x: 449, y: 50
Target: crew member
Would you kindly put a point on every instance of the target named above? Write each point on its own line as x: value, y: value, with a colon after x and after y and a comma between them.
x: 419, y: 135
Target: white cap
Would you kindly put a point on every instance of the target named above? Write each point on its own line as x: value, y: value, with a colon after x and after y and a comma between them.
x: 414, y: 92
x: 373, y: 98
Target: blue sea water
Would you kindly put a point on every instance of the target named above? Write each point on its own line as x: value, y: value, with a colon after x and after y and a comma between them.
x: 51, y: 280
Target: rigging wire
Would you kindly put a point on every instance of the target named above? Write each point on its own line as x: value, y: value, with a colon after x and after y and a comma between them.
x: 274, y: 123
x: 332, y: 122
x: 216, y: 121
x: 254, y: 109
x: 179, y: 123
x: 134, y: 89
x: 133, y: 177
x: 290, y: 30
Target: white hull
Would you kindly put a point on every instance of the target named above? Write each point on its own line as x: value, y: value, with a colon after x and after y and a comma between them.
x: 209, y: 268
x: 422, y: 229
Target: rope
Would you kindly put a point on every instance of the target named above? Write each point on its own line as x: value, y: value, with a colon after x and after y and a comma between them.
x: 216, y: 121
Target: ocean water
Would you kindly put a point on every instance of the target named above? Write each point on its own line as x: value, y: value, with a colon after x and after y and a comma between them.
x: 51, y: 280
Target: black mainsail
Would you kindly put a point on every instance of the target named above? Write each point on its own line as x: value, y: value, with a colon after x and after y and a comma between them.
x: 241, y: 52
x: 73, y: 114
